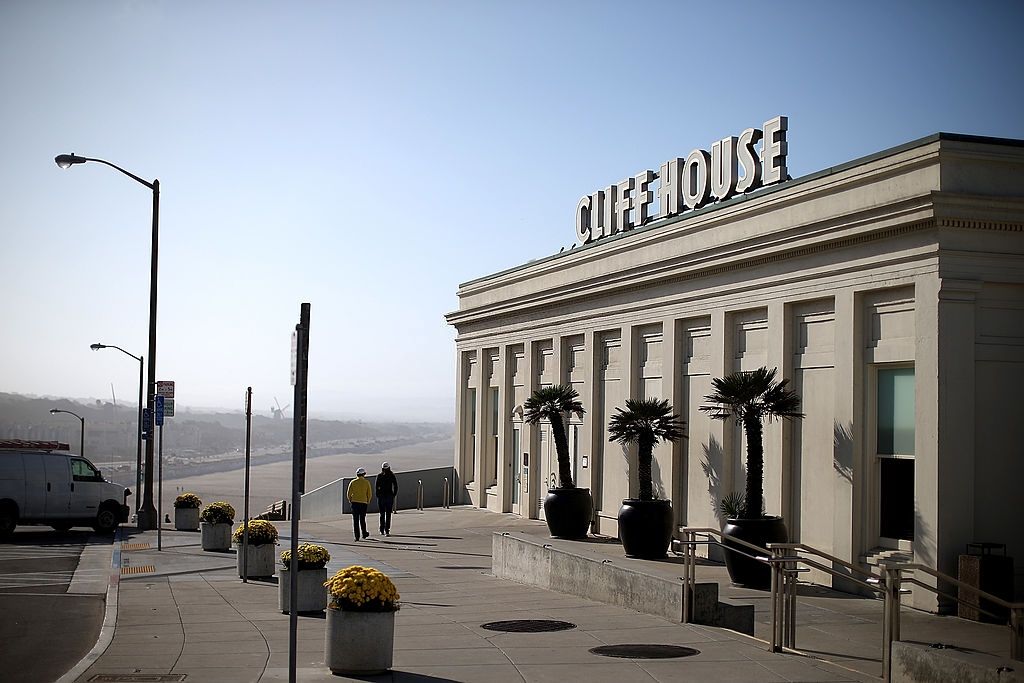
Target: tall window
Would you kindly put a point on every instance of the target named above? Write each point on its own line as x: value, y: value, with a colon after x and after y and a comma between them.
x: 471, y: 411
x: 494, y: 434
x: 895, y: 452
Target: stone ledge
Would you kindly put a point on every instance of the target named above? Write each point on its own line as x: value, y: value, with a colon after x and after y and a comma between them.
x: 917, y: 663
x: 529, y: 561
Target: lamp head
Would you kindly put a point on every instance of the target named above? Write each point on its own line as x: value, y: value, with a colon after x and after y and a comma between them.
x: 97, y: 345
x: 53, y: 411
x: 68, y: 160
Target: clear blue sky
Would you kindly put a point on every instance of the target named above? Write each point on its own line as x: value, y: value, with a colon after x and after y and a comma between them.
x: 369, y: 157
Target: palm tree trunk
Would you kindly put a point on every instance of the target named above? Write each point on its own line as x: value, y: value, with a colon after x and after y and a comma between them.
x: 754, y: 499
x: 562, y: 450
x: 645, y: 448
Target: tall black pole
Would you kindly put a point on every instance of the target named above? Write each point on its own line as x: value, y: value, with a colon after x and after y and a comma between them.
x: 148, y: 518
x: 138, y: 448
x: 82, y: 441
x: 160, y: 495
x: 248, y: 441
x: 298, y: 477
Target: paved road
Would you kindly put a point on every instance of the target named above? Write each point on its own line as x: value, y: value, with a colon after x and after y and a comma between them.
x: 44, y: 629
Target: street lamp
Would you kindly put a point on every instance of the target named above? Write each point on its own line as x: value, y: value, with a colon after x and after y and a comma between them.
x: 147, y: 517
x: 138, y: 445
x: 54, y: 411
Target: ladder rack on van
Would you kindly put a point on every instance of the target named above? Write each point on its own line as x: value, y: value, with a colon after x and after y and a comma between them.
x: 26, y: 445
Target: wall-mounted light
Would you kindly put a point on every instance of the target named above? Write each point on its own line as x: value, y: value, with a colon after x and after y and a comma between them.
x: 586, y: 461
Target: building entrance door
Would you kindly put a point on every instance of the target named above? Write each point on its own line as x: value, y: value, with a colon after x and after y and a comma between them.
x: 517, y: 467
x: 894, y: 456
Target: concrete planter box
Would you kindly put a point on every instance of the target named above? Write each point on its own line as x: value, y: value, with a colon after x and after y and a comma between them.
x: 215, y: 536
x: 360, y: 643
x: 186, y: 519
x: 312, y: 593
x: 260, y: 560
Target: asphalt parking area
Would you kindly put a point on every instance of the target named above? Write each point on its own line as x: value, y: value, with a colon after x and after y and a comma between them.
x: 45, y: 630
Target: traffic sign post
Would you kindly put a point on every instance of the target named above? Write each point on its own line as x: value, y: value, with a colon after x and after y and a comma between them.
x: 147, y: 423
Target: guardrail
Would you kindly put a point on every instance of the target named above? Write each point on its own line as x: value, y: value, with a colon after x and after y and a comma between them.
x: 784, y: 561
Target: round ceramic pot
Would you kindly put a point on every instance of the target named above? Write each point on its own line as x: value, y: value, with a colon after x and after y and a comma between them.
x: 186, y: 519
x: 360, y: 643
x: 743, y: 570
x: 645, y: 527
x: 215, y: 536
x: 568, y: 512
x: 260, y: 561
x: 312, y: 593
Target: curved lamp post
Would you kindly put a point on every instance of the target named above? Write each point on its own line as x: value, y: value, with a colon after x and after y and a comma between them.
x: 147, y: 516
x: 54, y: 411
x: 138, y: 445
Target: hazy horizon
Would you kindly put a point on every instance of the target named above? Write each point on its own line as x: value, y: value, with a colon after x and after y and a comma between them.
x: 368, y: 158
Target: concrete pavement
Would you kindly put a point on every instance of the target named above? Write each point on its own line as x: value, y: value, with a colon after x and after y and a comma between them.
x: 183, y: 614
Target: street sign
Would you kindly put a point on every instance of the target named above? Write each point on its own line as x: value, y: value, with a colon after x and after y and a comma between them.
x: 295, y: 355
x: 147, y: 423
x: 168, y: 407
x: 159, y: 408
x: 165, y: 389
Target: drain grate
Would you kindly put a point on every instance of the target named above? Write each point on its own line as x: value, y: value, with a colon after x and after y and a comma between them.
x: 642, y: 651
x: 138, y: 569
x: 528, y: 626
x: 137, y: 678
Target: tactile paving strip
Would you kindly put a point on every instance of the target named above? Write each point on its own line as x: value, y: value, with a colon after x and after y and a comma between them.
x: 134, y: 546
x: 138, y: 569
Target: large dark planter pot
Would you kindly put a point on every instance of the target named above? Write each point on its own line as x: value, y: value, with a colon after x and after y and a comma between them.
x: 568, y: 512
x: 645, y: 527
x: 743, y: 570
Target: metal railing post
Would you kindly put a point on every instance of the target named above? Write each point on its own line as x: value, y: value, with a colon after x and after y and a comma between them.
x: 689, y: 573
x: 891, y: 617
x: 775, y: 644
x: 1017, y: 637
x: 445, y: 493
x: 791, y: 576
x: 419, y: 494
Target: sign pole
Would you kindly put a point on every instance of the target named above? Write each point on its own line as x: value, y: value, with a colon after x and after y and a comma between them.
x: 301, y: 364
x: 248, y: 439
x: 160, y: 491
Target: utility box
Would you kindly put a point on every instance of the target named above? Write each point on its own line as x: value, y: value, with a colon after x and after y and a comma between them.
x: 986, y: 567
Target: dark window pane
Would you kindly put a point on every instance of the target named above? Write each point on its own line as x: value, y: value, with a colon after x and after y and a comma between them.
x: 897, y: 493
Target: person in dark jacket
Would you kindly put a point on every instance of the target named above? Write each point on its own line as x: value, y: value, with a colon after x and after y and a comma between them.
x: 387, y: 489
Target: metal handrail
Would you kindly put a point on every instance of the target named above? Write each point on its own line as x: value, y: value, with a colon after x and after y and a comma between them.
x: 889, y: 583
x: 894, y: 581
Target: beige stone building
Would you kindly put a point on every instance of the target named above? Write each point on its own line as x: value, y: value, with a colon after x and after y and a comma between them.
x: 889, y: 290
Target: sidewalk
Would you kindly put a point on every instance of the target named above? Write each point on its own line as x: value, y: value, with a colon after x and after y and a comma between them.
x: 184, y: 612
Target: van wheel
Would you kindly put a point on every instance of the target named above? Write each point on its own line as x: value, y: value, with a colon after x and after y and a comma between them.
x: 106, y: 521
x: 8, y: 520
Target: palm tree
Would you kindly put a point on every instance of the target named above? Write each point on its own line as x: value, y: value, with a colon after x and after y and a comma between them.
x: 752, y: 397
x: 645, y: 422
x: 552, y: 403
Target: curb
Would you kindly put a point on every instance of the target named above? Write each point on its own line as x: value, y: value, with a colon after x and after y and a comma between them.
x: 109, y: 617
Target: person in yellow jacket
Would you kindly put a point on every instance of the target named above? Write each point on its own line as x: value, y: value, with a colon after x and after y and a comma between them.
x: 359, y: 494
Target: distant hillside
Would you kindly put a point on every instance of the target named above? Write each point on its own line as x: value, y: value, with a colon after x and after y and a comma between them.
x: 111, y: 431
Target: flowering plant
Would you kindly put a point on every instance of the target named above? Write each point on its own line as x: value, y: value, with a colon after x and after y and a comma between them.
x: 187, y: 500
x: 261, y: 532
x: 311, y: 556
x: 218, y: 513
x: 361, y: 589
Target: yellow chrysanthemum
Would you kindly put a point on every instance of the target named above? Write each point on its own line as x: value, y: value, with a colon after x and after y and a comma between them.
x: 362, y: 588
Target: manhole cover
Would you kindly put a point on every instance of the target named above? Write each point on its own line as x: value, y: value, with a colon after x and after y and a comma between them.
x: 528, y: 626
x: 640, y: 651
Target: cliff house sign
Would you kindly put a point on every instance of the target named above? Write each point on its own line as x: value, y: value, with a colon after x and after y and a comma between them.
x: 687, y: 184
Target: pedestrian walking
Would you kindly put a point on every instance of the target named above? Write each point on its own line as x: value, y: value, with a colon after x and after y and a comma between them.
x: 387, y: 489
x: 359, y: 494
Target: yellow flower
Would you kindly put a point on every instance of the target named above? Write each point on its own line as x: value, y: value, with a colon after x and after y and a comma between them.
x: 362, y: 588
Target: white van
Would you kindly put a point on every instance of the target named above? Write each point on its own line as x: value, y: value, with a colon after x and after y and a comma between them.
x: 42, y: 483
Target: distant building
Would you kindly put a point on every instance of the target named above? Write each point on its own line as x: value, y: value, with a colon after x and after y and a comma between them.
x: 890, y: 290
